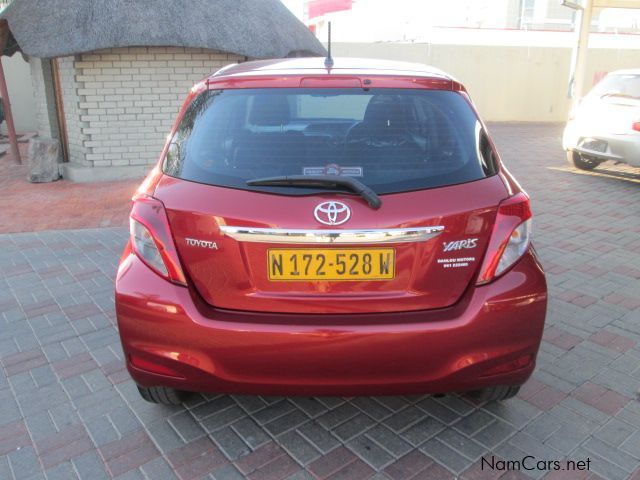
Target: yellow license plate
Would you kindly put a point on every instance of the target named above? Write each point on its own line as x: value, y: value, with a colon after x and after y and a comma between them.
x: 331, y: 264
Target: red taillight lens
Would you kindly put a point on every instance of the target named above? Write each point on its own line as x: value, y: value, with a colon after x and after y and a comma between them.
x: 145, y: 246
x: 151, y: 239
x: 636, y: 126
x: 516, y: 364
x: 153, y: 367
x: 510, y: 237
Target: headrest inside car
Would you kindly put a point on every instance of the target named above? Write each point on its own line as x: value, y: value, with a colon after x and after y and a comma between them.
x: 270, y: 110
x: 385, y: 113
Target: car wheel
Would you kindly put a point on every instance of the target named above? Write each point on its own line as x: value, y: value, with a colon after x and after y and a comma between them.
x: 578, y: 161
x: 163, y: 395
x: 494, y: 394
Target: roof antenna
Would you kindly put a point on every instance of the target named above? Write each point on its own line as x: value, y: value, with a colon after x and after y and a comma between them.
x: 328, y: 62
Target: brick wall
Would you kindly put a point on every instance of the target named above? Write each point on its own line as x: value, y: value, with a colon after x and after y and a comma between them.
x: 77, y: 138
x: 120, y: 103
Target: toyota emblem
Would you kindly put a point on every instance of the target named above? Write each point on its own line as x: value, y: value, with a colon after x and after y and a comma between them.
x: 332, y: 213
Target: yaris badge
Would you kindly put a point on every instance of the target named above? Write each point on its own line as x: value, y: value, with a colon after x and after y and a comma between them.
x: 332, y: 213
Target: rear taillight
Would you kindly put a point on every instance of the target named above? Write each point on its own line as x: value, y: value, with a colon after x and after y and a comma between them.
x: 510, y: 237
x: 151, y: 239
x: 636, y: 126
x: 145, y: 246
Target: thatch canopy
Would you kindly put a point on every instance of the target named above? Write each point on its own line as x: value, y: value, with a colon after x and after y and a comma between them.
x: 253, y: 28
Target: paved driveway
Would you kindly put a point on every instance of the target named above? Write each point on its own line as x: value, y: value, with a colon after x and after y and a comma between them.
x: 68, y: 408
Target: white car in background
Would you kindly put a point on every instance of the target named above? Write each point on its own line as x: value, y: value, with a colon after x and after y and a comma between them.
x: 606, y: 123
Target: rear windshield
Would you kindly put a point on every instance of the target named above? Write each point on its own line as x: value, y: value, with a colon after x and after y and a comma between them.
x: 619, y: 85
x: 392, y: 140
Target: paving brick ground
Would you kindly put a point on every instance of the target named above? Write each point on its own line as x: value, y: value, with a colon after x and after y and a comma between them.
x: 68, y: 409
x: 27, y: 207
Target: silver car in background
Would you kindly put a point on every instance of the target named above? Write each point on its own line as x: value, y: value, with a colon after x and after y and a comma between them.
x: 606, y: 123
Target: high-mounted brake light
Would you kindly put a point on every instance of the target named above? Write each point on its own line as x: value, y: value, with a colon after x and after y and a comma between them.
x: 510, y: 238
x: 151, y: 239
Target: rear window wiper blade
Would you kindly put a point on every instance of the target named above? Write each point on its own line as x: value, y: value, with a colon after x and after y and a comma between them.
x: 619, y: 95
x: 333, y: 182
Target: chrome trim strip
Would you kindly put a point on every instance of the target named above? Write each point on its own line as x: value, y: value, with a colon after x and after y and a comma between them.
x: 279, y: 235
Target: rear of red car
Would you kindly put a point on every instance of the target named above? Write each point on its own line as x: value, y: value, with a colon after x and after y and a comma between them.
x: 329, y: 232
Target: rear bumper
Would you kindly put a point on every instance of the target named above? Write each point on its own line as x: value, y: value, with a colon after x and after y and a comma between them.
x: 454, y: 349
x: 623, y: 148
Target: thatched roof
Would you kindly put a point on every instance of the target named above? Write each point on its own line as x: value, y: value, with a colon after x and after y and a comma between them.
x: 254, y: 28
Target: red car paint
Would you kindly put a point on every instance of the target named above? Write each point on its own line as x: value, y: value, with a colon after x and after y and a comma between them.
x: 421, y: 283
x: 216, y: 322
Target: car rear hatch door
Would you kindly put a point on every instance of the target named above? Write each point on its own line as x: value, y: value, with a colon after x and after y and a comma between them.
x: 255, y: 251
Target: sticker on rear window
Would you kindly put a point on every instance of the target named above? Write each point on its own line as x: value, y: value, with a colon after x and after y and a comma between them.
x: 333, y: 169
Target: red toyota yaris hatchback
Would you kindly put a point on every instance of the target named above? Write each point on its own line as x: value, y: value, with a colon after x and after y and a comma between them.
x: 330, y: 231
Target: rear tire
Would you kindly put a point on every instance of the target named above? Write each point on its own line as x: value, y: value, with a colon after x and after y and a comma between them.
x: 494, y: 394
x: 581, y: 163
x: 163, y: 395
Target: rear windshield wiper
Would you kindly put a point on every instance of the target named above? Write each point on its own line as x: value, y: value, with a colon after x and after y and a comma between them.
x: 333, y: 182
x: 619, y: 95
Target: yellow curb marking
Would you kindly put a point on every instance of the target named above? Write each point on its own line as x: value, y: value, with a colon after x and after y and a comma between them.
x: 615, y: 175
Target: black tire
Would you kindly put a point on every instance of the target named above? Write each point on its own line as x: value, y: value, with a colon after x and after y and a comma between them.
x: 580, y: 162
x: 494, y: 394
x: 163, y: 395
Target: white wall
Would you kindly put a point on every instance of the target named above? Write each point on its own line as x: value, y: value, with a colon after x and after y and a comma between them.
x: 514, y: 83
x: 18, y: 75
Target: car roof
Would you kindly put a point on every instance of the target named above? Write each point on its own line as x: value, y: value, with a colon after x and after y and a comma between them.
x: 316, y: 66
